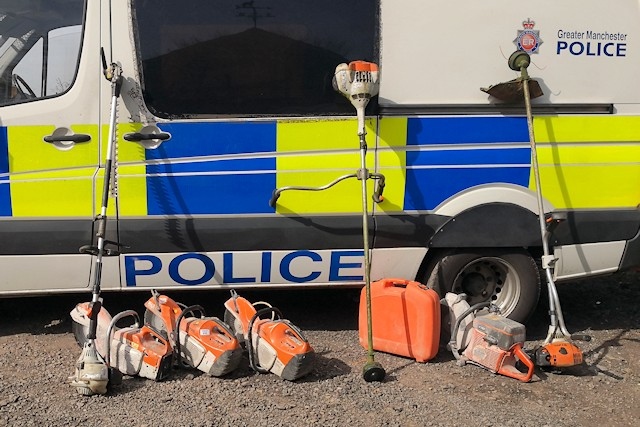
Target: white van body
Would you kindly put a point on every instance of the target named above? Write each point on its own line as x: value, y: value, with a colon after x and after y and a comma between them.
x: 244, y: 92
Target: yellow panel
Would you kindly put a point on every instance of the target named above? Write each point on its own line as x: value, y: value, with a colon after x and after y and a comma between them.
x: 303, y: 165
x: 307, y: 135
x: 579, y: 168
x: 591, y: 186
x: 132, y: 183
x: 587, y: 128
x: 46, y: 181
x: 392, y: 161
x: 605, y: 153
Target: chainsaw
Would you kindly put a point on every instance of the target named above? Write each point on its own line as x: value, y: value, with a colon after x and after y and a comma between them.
x: 487, y: 339
x: 204, y: 343
x: 273, y: 344
x: 133, y: 350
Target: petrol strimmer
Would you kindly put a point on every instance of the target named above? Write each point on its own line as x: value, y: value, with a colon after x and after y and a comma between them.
x: 92, y: 374
x: 358, y: 81
x: 204, y: 343
x: 557, y: 349
x: 273, y: 344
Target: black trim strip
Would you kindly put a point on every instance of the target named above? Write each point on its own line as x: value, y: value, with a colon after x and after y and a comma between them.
x: 480, y: 226
x: 47, y: 236
x: 157, y: 235
x: 596, y: 226
x: 505, y: 109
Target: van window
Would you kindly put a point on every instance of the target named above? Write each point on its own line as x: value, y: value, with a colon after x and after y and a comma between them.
x: 39, y: 48
x: 250, y: 58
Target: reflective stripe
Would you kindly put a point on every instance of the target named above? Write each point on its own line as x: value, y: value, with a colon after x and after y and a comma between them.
x: 219, y: 174
x: 5, y: 188
x: 447, y: 155
x: 232, y: 167
x: 313, y: 154
x: 46, y: 181
x: 589, y: 162
x: 132, y: 179
x: 392, y: 161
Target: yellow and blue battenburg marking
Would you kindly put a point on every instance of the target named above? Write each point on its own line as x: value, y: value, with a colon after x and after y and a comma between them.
x: 38, y: 180
x: 5, y: 188
x: 446, y: 155
x: 233, y: 169
x: 228, y: 168
x: 589, y: 161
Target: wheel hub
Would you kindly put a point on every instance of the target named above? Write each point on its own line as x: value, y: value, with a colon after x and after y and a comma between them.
x: 488, y: 279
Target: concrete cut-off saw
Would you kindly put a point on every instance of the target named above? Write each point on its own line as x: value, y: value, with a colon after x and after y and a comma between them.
x: 273, y: 344
x: 204, y: 343
x: 487, y: 339
x: 134, y: 350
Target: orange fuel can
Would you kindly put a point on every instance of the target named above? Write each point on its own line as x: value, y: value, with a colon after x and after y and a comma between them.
x: 405, y: 317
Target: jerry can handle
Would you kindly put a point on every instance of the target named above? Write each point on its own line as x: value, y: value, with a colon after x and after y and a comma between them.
x: 394, y: 283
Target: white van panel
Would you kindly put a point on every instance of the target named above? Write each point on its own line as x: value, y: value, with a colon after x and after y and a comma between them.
x: 442, y: 52
x: 589, y: 259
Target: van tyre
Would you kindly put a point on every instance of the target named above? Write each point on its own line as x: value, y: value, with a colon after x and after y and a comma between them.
x: 507, y: 277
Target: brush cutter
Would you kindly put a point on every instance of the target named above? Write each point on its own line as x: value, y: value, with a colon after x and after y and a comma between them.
x: 204, y: 343
x: 557, y: 349
x: 91, y: 375
x: 132, y: 350
x: 487, y: 339
x: 273, y: 344
x: 358, y: 81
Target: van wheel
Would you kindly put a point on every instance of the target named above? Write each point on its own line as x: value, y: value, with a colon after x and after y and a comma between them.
x: 509, y: 278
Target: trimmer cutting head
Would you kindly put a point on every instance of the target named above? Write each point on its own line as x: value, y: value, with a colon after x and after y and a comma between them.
x: 513, y: 90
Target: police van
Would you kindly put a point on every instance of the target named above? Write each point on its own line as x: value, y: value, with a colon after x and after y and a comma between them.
x: 224, y: 101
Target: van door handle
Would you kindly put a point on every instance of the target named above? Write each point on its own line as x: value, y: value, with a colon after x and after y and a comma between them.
x: 150, y: 137
x: 75, y: 138
x: 139, y: 136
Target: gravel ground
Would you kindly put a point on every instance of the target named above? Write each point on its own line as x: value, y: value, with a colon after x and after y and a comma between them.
x: 38, y: 353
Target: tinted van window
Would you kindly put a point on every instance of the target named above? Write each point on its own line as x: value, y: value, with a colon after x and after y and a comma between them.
x: 250, y: 58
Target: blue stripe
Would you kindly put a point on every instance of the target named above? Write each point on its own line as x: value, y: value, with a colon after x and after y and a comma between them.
x: 498, y: 156
x: 201, y: 192
x: 207, y: 139
x: 192, y: 195
x: 234, y: 165
x: 427, y: 188
x: 5, y: 189
x: 466, y: 130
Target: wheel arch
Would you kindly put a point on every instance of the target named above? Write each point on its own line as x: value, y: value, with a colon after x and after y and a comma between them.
x: 490, y: 215
x: 491, y: 193
x: 499, y: 219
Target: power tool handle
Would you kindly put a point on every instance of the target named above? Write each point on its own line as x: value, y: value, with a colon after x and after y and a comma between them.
x: 581, y: 337
x: 511, y: 371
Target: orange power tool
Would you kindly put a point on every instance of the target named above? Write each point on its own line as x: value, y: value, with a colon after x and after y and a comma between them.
x: 274, y: 344
x: 204, y: 343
